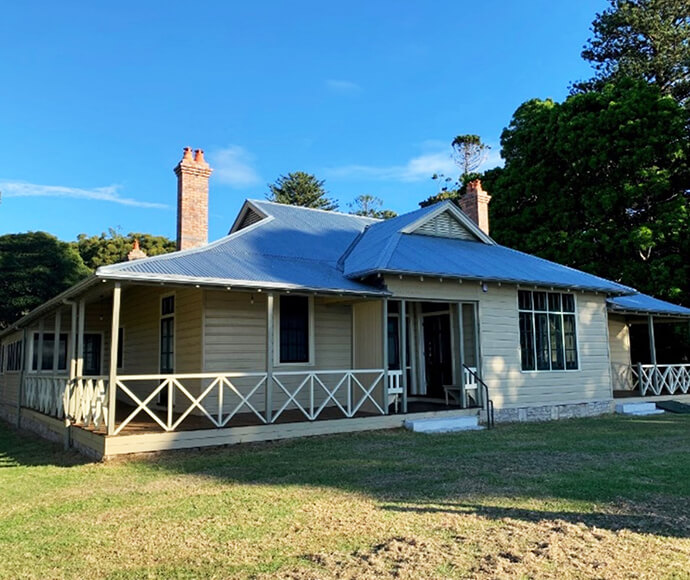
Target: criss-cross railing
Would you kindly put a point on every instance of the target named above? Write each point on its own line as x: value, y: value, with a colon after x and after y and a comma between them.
x: 660, y: 379
x: 45, y: 394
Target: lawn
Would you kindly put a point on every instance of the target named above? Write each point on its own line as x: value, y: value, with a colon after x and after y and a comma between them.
x: 604, y: 498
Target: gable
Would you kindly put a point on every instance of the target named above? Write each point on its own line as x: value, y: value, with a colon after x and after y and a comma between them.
x: 250, y: 217
x: 445, y: 225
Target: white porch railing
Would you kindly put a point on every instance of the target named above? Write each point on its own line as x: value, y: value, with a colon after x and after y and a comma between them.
x: 45, y: 394
x: 86, y: 401
x: 660, y: 379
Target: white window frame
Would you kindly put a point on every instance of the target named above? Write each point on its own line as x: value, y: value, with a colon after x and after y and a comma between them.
x: 576, y: 313
x: 311, y: 337
x: 161, y: 316
x: 22, y: 358
x: 30, y: 348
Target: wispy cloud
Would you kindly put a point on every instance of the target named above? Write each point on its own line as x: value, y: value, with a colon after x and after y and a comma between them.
x: 343, y: 86
x: 234, y: 166
x: 418, y: 168
x: 109, y: 193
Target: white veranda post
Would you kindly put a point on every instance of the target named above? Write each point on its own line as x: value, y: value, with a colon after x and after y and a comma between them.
x: 112, y: 374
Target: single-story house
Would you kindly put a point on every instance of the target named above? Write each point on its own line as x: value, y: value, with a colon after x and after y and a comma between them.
x: 303, y: 321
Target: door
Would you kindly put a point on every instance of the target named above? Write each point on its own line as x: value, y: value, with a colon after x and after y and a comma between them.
x: 92, y: 354
x: 438, y: 358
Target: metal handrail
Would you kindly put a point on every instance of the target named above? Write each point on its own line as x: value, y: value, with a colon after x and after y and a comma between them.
x: 488, y: 404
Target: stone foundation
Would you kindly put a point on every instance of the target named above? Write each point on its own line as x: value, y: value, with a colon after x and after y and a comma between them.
x: 552, y: 412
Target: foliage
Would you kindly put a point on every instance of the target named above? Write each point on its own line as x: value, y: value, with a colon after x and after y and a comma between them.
x: 113, y: 247
x: 370, y: 206
x: 450, y: 189
x: 600, y: 182
x: 469, y: 153
x: 35, y: 267
x: 643, y: 39
x: 300, y: 188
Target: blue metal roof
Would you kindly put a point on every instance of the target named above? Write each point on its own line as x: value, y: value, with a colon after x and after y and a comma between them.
x: 296, y: 247
x: 646, y: 304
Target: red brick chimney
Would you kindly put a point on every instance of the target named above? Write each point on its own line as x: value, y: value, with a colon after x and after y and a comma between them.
x: 475, y: 203
x: 192, y: 200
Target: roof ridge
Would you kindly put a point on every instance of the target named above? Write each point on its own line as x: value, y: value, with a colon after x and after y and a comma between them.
x: 328, y: 211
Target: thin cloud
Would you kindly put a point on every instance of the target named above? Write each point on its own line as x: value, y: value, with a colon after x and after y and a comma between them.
x: 343, y: 86
x: 108, y: 193
x: 416, y: 169
x: 234, y: 166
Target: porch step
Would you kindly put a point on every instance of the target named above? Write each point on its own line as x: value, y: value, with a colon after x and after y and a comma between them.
x: 637, y: 409
x: 444, y: 424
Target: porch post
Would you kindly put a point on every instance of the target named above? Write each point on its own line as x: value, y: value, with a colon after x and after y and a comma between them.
x: 80, y: 338
x: 39, y: 355
x: 22, y: 377
x: 461, y: 358
x: 384, y: 343
x: 114, y: 339
x: 403, y: 354
x: 652, y: 350
x: 73, y: 344
x: 268, y: 398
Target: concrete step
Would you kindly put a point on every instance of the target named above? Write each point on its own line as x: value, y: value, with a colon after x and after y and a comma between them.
x: 639, y: 409
x: 444, y: 424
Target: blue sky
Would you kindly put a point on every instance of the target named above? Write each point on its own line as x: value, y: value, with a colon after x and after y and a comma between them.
x: 98, y: 99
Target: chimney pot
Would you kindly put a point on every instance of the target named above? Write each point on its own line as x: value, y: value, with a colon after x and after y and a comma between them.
x: 136, y: 253
x: 187, y: 156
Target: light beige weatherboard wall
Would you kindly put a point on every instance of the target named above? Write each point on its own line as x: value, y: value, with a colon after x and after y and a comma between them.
x: 234, y: 338
x: 9, y: 381
x: 500, y: 344
x: 619, y: 341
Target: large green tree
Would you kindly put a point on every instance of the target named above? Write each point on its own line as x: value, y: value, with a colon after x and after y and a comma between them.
x: 113, y: 247
x: 35, y: 267
x: 600, y: 182
x: 370, y: 206
x: 643, y: 39
x: 300, y: 188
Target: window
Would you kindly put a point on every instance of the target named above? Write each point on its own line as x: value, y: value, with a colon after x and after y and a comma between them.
x: 46, y: 355
x: 294, y: 323
x: 167, y: 336
x: 92, y: 354
x: 547, y: 331
x: 13, y: 356
x: 120, y: 347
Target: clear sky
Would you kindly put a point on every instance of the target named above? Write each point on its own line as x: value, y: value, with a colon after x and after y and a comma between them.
x: 98, y: 99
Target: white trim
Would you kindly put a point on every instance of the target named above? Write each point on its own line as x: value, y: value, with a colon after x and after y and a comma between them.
x: 457, y: 214
x: 248, y: 205
x: 30, y: 352
x: 162, y: 316
x: 311, y: 338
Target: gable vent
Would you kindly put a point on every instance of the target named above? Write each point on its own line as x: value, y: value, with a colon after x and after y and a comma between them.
x: 445, y: 226
x: 250, y: 217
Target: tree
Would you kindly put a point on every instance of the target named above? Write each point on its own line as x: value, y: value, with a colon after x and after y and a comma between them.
x: 113, y: 247
x: 300, y: 188
x: 600, y: 182
x: 642, y: 39
x: 370, y: 206
x: 35, y: 267
x: 469, y: 152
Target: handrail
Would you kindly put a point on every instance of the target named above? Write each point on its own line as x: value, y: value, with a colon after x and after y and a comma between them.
x: 488, y: 404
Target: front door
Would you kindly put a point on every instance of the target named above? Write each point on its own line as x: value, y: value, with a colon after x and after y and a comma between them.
x: 438, y: 359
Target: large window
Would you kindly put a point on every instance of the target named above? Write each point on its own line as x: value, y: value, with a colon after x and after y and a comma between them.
x: 294, y: 329
x: 547, y: 331
x: 42, y: 360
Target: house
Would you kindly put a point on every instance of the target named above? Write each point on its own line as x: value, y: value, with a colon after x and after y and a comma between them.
x: 302, y: 321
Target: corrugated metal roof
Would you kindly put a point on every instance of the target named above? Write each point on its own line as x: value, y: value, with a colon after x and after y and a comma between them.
x: 320, y: 250
x: 292, y: 247
x: 646, y: 304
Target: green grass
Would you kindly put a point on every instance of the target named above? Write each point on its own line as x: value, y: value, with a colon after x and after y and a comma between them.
x: 585, y: 498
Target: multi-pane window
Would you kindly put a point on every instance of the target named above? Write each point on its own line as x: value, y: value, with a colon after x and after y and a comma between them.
x: 547, y: 331
x: 294, y: 329
x: 42, y: 360
x: 93, y: 347
x: 167, y: 337
x: 13, y: 356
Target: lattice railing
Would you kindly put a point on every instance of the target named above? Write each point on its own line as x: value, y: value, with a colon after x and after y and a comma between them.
x: 86, y: 401
x: 660, y: 379
x: 45, y: 394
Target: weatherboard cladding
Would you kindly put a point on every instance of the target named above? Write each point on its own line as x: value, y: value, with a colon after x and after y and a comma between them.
x: 644, y: 303
x: 320, y: 250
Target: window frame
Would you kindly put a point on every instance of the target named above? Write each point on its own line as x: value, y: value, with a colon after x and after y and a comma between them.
x: 548, y: 314
x: 310, y: 330
x: 20, y: 357
x: 30, y: 347
x: 101, y: 363
x: 162, y: 317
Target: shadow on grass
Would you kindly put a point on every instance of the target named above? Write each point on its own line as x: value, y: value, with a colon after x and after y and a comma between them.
x: 610, y: 472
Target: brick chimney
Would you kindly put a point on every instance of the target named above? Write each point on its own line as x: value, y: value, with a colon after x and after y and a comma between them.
x: 475, y: 203
x: 192, y: 200
x: 136, y: 252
